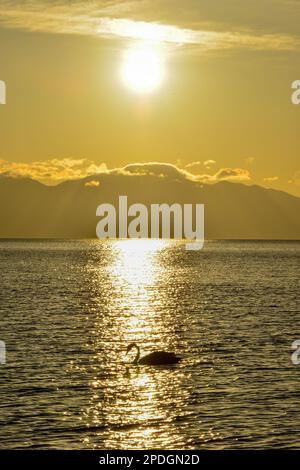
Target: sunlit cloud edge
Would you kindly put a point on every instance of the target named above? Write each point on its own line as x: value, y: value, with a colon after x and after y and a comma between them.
x: 62, y: 19
x: 54, y: 171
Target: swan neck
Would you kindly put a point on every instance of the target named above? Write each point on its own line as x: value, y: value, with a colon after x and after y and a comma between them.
x: 137, y: 357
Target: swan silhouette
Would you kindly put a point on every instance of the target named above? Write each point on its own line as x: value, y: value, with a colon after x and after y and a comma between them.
x: 154, y: 358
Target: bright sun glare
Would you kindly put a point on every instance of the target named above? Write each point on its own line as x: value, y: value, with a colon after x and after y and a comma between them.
x: 142, y: 69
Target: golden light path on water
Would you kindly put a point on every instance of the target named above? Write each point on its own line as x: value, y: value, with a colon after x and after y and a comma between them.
x: 139, y: 405
x: 228, y: 310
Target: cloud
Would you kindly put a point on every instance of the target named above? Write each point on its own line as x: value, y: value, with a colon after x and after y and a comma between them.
x: 197, y: 166
x: 168, y: 170
x: 92, y: 184
x: 194, y: 166
x: 224, y: 174
x: 102, y: 19
x: 52, y: 171
x: 162, y: 170
x: 57, y: 170
x: 232, y: 174
x: 209, y: 162
x: 271, y: 179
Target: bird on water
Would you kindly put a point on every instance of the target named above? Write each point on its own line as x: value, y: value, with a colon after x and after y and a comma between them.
x: 154, y: 358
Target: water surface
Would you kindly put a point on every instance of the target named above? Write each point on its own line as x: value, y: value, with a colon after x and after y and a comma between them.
x: 68, y: 310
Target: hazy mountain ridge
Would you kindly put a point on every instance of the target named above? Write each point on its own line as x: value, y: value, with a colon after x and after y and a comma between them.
x: 232, y: 210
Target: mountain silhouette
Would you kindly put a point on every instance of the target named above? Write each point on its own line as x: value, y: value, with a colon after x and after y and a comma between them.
x: 29, y: 209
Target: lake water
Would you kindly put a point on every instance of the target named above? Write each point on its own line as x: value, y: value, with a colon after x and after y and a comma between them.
x: 69, y: 309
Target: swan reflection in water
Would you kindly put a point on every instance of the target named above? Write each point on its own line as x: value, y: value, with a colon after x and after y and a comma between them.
x: 154, y: 358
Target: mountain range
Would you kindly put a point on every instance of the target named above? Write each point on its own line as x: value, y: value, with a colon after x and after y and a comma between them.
x: 30, y: 209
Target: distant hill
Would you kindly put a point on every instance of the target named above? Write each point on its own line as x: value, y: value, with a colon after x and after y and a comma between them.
x: 232, y: 210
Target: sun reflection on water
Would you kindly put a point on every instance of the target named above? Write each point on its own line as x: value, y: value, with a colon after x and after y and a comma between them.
x: 135, y: 272
x: 135, y: 404
x: 205, y: 306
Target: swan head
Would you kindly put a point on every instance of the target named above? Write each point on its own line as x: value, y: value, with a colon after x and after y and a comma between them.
x: 134, y: 346
x: 131, y: 346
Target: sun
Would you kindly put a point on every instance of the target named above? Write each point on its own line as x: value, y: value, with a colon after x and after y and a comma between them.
x: 142, y: 69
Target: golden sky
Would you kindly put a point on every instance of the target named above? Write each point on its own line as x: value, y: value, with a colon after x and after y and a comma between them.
x: 222, y: 109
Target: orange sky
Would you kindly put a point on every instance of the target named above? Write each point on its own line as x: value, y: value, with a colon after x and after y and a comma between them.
x: 225, y: 101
